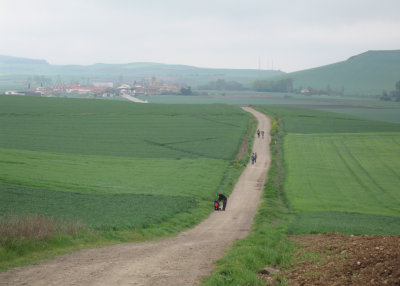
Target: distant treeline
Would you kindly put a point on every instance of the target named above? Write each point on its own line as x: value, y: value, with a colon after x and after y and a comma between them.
x: 221, y: 84
x: 280, y: 85
x: 392, y: 95
x: 319, y: 91
x: 268, y: 85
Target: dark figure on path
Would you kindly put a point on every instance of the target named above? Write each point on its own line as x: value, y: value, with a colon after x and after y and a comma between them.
x: 223, y: 198
x: 262, y: 133
x: 258, y: 133
x: 253, y: 158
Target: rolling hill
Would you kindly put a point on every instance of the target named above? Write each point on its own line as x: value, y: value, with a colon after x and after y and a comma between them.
x: 368, y: 73
x: 17, y: 72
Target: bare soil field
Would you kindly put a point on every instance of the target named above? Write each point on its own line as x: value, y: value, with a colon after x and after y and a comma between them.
x: 338, y: 259
x: 182, y: 260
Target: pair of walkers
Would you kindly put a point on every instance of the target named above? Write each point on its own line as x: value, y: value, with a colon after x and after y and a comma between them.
x: 260, y: 132
x: 253, y: 158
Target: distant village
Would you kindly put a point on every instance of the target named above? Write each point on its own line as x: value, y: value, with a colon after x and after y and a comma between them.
x: 103, y: 89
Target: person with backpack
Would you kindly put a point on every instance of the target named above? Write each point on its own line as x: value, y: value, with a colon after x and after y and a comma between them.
x: 224, y: 199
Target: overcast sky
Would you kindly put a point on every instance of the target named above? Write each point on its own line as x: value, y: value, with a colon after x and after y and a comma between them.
x: 288, y: 35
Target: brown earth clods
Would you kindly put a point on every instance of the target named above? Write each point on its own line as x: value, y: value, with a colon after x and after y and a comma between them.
x: 337, y: 259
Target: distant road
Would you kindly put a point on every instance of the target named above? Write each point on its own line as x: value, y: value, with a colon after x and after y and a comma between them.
x: 181, y: 260
x: 134, y: 99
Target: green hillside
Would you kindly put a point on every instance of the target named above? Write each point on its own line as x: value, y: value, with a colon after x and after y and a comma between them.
x: 15, y: 73
x: 366, y: 74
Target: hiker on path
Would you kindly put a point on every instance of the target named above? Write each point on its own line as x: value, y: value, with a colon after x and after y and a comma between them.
x: 258, y: 133
x: 223, y: 198
x: 253, y: 158
x: 262, y: 133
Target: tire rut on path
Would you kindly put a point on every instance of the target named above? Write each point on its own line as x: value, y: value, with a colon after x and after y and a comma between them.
x: 181, y: 260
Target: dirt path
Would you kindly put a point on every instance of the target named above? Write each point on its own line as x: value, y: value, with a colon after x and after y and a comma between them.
x: 182, y: 260
x: 134, y: 99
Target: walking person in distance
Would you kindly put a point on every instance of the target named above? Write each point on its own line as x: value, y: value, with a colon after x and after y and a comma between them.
x: 253, y: 158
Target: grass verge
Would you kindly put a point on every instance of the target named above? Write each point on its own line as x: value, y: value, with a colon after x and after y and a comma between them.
x: 267, y: 243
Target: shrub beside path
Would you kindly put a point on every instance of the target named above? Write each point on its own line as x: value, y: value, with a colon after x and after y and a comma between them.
x: 181, y: 260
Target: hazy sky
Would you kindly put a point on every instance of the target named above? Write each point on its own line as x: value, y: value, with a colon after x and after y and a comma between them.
x: 286, y: 34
